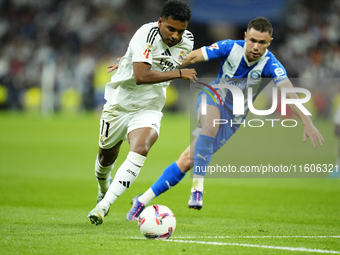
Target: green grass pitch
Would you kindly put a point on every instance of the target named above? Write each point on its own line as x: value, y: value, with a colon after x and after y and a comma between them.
x: 47, y: 188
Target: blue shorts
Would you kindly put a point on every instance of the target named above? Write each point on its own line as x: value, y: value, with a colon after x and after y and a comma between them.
x: 225, y: 131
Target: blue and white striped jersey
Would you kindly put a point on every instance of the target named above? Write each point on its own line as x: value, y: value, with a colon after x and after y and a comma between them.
x: 236, y: 70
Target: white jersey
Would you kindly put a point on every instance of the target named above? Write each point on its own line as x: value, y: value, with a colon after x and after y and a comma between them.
x: 146, y: 46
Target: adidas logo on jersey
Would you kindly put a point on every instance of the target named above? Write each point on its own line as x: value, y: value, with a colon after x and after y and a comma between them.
x: 125, y: 183
x: 166, y: 53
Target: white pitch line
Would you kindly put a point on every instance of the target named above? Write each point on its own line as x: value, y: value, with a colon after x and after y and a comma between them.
x: 257, y: 246
x: 252, y: 237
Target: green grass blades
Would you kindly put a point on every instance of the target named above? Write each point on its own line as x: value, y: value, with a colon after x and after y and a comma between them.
x: 47, y: 188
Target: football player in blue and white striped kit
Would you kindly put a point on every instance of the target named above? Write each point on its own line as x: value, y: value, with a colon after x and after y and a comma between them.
x: 242, y: 62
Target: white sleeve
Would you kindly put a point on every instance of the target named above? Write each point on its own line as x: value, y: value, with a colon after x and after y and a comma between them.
x: 141, y: 50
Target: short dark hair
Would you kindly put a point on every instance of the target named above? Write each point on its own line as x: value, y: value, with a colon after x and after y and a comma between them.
x: 177, y: 10
x: 261, y: 24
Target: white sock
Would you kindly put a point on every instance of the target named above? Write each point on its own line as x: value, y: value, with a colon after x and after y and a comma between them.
x: 102, y: 174
x: 147, y: 196
x: 125, y: 176
x: 197, y: 183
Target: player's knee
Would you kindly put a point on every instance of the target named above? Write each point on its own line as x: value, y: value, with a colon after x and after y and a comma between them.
x: 105, y: 160
x: 209, y: 130
x: 141, y: 149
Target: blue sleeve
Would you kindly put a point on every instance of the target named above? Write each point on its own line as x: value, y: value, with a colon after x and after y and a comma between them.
x: 219, y: 50
x: 275, y: 70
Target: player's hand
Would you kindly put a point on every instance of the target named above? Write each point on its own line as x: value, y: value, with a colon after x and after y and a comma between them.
x: 313, y: 134
x: 113, y: 67
x: 189, y: 75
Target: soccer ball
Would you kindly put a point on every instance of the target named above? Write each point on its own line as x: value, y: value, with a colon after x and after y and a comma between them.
x: 157, y: 222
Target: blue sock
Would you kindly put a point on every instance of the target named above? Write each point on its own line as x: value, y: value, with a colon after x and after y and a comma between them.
x: 203, y: 152
x: 170, y: 177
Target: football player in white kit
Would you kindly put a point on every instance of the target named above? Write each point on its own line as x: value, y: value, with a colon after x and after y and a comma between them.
x: 135, y: 97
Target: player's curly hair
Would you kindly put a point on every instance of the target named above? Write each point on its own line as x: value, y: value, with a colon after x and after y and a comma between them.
x: 261, y: 24
x: 177, y: 10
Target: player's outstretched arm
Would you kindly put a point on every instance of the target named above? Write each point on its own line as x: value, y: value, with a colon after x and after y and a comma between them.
x: 185, y: 74
x: 144, y: 75
x: 193, y: 57
x: 309, y: 130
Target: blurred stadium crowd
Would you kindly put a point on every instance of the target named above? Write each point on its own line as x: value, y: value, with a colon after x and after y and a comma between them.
x: 74, y: 41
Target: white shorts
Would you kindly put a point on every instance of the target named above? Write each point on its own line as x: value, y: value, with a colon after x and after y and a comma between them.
x: 116, y: 123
